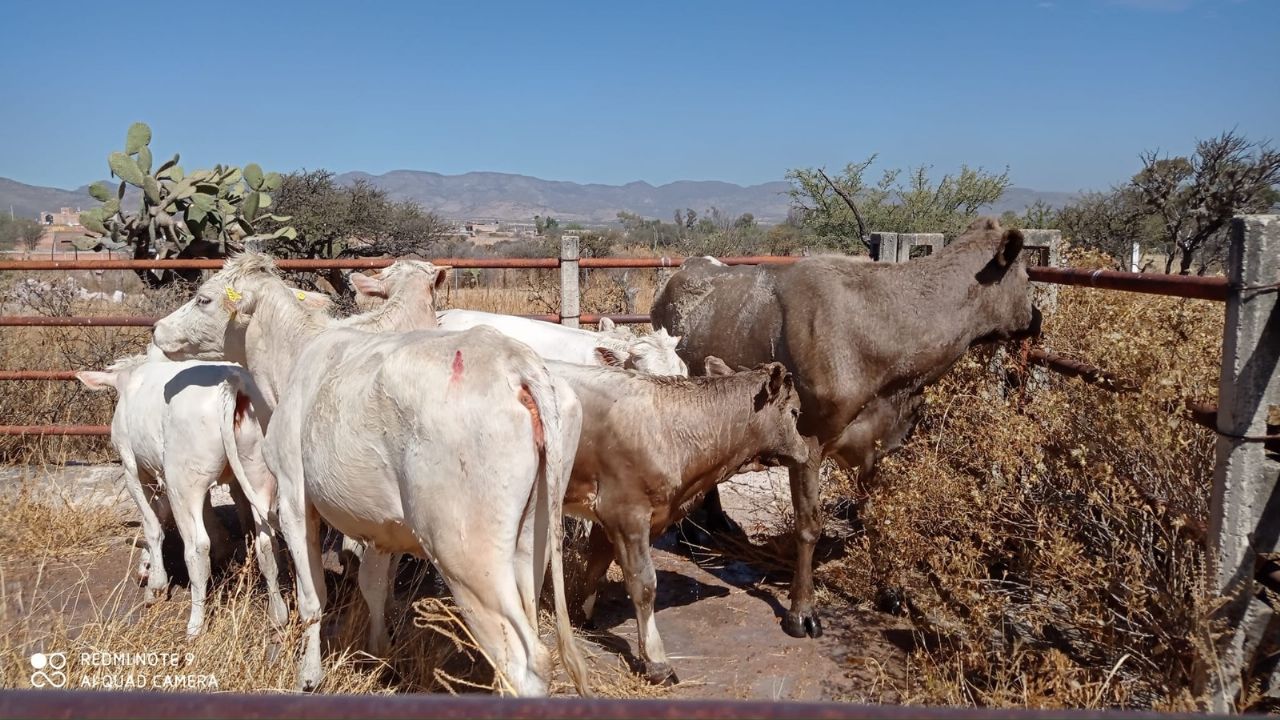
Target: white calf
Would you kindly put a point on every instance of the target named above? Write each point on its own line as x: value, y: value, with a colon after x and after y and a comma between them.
x: 180, y: 427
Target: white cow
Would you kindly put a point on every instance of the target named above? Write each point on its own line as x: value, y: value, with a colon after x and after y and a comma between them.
x: 654, y: 354
x: 451, y: 446
x: 181, y: 427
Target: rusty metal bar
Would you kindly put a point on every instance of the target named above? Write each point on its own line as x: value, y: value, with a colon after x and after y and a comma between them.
x: 1206, y: 415
x: 1074, y: 368
x: 661, y: 262
x: 373, y: 263
x: 619, y: 319
x: 1202, y: 288
x: 143, y: 321
x: 37, y: 374
x: 77, y: 321
x: 55, y: 429
x: 1187, y: 286
x: 340, y: 263
x: 96, y: 705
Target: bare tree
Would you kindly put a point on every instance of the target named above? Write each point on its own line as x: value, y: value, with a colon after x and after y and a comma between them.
x: 1194, y: 198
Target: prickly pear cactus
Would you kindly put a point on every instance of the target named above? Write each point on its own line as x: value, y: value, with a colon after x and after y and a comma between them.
x: 217, y: 207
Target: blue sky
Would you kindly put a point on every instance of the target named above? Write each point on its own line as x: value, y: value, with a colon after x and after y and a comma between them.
x: 1065, y: 93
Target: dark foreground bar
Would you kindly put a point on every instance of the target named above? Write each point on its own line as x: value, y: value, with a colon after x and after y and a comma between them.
x: 164, y: 706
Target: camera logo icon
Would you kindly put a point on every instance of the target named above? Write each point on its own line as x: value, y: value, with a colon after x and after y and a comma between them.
x: 49, y: 670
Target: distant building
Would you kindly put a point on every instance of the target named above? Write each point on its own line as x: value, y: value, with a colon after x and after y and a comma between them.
x: 65, y: 216
x: 479, y: 228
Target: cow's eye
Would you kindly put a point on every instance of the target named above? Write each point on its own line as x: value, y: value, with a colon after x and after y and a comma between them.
x: 203, y: 300
x: 795, y: 412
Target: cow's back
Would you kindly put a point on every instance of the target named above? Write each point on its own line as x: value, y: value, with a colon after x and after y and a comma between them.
x: 815, y: 316
x: 173, y: 406
x: 552, y: 342
x: 729, y: 312
x: 371, y: 412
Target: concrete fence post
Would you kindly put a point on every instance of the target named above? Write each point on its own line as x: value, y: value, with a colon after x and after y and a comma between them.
x: 1244, y: 509
x: 908, y: 241
x: 1047, y: 246
x: 569, y: 294
x: 884, y: 246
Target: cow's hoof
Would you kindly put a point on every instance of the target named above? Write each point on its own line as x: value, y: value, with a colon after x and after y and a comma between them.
x: 800, y: 625
x: 660, y: 674
x: 307, y: 683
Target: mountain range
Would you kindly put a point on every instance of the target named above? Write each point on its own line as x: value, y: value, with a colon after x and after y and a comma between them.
x: 517, y: 198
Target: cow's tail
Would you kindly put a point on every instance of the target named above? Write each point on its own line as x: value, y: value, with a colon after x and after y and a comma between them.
x: 557, y: 422
x: 237, y: 394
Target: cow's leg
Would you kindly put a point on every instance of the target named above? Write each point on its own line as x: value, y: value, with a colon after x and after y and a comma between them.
x: 802, y: 618
x: 264, y: 538
x: 151, y: 566
x: 529, y: 583
x: 642, y: 584
x: 490, y: 600
x: 374, y: 584
x: 244, y: 512
x: 187, y: 498
x: 599, y: 556
x: 220, y: 550
x: 320, y: 590
x: 300, y: 527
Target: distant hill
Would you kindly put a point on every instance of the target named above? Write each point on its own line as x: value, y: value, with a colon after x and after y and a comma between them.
x: 28, y: 201
x: 517, y: 198
x: 504, y: 196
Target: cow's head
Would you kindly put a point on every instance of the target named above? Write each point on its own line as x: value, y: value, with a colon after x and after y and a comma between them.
x: 402, y: 276
x: 212, y: 324
x: 776, y: 409
x: 1003, y: 289
x: 655, y: 354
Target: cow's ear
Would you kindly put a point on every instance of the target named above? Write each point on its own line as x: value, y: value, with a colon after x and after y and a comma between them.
x: 239, y: 303
x: 605, y: 325
x: 713, y: 366
x: 773, y: 385
x: 370, y: 286
x: 442, y: 276
x: 1009, y: 248
x: 97, y: 381
x: 610, y: 357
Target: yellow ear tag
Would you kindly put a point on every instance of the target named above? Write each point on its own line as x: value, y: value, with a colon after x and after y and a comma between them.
x: 302, y: 297
x: 232, y: 295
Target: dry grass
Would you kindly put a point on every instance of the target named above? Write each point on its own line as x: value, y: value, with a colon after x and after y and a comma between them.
x: 1044, y: 533
x: 39, y: 527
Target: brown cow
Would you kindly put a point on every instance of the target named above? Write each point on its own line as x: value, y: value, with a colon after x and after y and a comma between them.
x: 862, y: 340
x: 651, y: 447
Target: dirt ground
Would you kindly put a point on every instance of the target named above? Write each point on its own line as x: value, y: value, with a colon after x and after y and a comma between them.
x: 718, y: 614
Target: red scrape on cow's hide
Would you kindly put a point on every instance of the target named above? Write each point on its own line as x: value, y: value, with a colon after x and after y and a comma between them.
x: 457, y: 367
x: 242, y: 408
x: 527, y: 400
